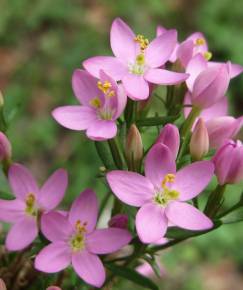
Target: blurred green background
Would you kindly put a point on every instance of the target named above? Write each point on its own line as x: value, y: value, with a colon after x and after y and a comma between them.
x: 42, y: 42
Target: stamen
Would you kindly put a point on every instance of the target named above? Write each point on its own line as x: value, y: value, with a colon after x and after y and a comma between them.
x: 30, y: 204
x: 140, y: 59
x: 169, y: 178
x: 207, y: 55
x: 200, y: 41
x: 80, y: 227
x: 95, y: 102
x: 143, y: 42
x: 104, y: 87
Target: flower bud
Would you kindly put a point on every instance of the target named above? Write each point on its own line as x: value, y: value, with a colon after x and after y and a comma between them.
x: 119, y: 221
x: 221, y: 129
x: 53, y: 288
x: 2, y: 285
x: 5, y: 148
x: 228, y: 162
x: 170, y: 137
x: 134, y: 148
x: 210, y: 86
x: 199, y: 143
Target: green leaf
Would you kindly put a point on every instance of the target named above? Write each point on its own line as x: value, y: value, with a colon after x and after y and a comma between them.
x: 156, y: 121
x: 133, y: 276
x: 103, y: 151
x: 233, y: 217
x: 6, y: 195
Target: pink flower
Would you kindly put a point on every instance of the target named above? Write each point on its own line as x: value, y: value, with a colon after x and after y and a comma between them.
x: 161, y: 193
x: 228, y: 162
x: 137, y: 62
x: 170, y: 137
x: 220, y: 126
x: 210, y: 86
x: 5, y: 147
x: 195, y: 45
x: 119, y: 221
x: 30, y: 202
x: 74, y: 240
x: 102, y: 102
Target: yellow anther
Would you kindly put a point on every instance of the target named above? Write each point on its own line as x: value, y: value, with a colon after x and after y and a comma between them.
x: 30, y: 200
x: 169, y: 178
x: 104, y: 87
x: 207, y: 55
x: 173, y: 194
x: 200, y: 41
x: 143, y: 42
x: 111, y: 94
x: 95, y: 102
x: 80, y: 227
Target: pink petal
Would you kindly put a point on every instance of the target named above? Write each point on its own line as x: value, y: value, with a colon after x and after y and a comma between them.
x: 53, y: 258
x: 170, y: 137
x: 221, y: 129
x: 122, y: 41
x: 11, y: 210
x: 106, y: 241
x: 89, y: 267
x: 130, y: 187
x: 193, y: 178
x: 22, y: 234
x: 195, y: 66
x: 159, y: 162
x: 185, y: 52
x: 74, y: 117
x: 235, y: 69
x: 136, y: 86
x: 52, y: 192
x: 160, y: 49
x: 210, y: 86
x: 21, y: 181
x: 217, y: 110
x: 111, y: 65
x: 55, y: 226
x: 121, y: 101
x: 85, y: 87
x: 151, y: 223
x: 186, y: 216
x: 85, y: 210
x: 101, y: 130
x: 164, y: 77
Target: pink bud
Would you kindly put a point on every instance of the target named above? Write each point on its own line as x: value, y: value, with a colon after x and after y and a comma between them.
x: 134, y: 148
x: 5, y: 147
x: 228, y: 162
x: 2, y: 285
x: 210, y: 86
x: 170, y: 136
x: 53, y: 288
x: 199, y: 143
x: 222, y: 129
x: 118, y: 221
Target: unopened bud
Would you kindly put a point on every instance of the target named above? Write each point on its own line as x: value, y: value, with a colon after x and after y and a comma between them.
x: 134, y: 148
x: 118, y: 221
x: 5, y: 148
x: 2, y: 285
x: 199, y: 144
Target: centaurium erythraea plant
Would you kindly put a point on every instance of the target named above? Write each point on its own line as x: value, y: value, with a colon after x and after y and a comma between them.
x: 158, y: 186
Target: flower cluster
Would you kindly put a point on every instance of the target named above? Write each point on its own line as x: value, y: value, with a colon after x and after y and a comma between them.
x: 164, y: 179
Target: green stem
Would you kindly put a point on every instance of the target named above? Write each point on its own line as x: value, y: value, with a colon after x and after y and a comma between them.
x: 234, y: 207
x: 186, y: 128
x: 115, y: 152
x: 104, y: 202
x: 129, y: 113
x: 215, y: 201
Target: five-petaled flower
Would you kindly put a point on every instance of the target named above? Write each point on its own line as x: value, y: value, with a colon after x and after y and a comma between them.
x: 74, y: 240
x: 102, y: 102
x: 30, y: 205
x: 162, y: 192
x: 137, y: 62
